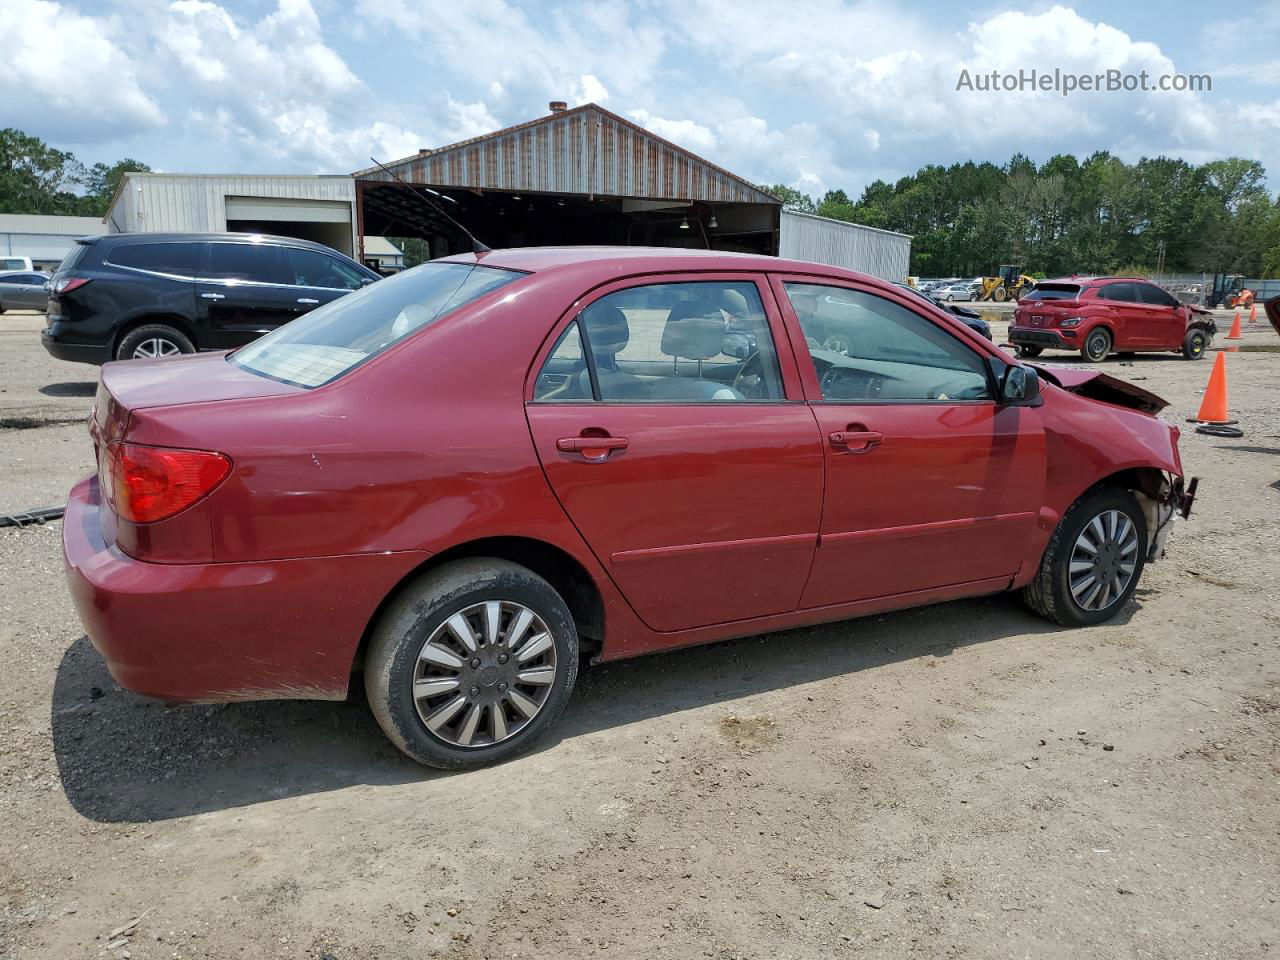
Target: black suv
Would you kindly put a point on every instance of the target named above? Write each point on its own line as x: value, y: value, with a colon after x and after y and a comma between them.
x: 130, y: 295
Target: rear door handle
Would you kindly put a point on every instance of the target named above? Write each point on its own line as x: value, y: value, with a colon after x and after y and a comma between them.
x: 855, y: 441
x: 214, y: 296
x: 308, y: 300
x: 594, y: 449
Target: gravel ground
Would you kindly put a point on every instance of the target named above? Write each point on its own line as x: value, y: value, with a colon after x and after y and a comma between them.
x: 957, y: 781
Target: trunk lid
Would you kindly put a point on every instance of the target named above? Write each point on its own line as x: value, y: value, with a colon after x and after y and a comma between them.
x: 1047, y: 304
x: 199, y: 378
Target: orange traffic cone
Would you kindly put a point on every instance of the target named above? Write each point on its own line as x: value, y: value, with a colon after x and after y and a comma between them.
x: 1235, y: 329
x: 1213, y: 409
x: 1253, y: 313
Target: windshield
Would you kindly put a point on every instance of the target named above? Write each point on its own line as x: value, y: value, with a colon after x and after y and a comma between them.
x: 329, y: 341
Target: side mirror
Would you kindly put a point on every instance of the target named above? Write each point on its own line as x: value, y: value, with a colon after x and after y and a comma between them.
x: 1020, y: 387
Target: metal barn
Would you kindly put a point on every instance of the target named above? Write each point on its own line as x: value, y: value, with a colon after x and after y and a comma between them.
x: 575, y: 176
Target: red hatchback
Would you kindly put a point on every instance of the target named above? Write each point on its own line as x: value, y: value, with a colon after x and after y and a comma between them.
x: 1101, y: 315
x: 460, y: 479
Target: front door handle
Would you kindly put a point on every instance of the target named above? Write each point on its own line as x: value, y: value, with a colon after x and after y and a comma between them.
x: 214, y: 296
x: 855, y: 441
x: 595, y: 449
x: 308, y: 300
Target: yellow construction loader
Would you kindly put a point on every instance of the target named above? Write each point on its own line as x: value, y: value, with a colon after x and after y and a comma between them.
x: 1009, y: 285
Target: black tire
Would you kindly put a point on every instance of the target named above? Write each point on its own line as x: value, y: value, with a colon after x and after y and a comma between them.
x: 1049, y: 594
x: 1194, y: 344
x: 1027, y: 351
x: 160, y: 333
x: 1096, y: 345
x: 1, y: 308
x: 414, y: 617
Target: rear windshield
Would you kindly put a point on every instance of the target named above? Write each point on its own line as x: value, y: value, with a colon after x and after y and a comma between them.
x: 327, y: 342
x: 72, y: 257
x: 1053, y: 291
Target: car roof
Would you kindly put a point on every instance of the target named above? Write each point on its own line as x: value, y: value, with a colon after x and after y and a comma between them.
x: 118, y: 239
x: 649, y: 260
x: 7, y: 273
x: 1086, y: 281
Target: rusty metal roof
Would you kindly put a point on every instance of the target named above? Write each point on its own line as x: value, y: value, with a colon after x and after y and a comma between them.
x: 586, y: 150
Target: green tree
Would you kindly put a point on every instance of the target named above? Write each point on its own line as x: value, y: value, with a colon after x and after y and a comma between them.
x: 791, y: 198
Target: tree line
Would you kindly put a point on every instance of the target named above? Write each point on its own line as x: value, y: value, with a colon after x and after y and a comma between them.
x: 38, y: 178
x: 1097, y: 215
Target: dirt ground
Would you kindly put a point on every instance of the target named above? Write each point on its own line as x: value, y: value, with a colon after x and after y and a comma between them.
x: 957, y: 781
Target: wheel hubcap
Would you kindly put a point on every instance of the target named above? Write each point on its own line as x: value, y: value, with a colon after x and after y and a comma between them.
x: 1103, y: 560
x: 484, y: 674
x: 1097, y: 347
x: 155, y: 347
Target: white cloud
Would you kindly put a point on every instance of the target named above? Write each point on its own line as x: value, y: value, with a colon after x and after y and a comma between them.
x: 684, y: 133
x: 68, y: 70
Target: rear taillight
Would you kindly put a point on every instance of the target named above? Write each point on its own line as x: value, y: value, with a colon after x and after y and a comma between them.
x: 67, y: 284
x: 146, y: 484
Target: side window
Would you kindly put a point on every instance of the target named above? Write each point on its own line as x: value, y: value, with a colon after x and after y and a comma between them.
x: 697, y: 342
x: 1151, y: 294
x: 865, y: 347
x: 1118, y: 293
x: 564, y: 375
x: 12, y: 278
x: 312, y: 269
x: 246, y: 262
x: 175, y: 259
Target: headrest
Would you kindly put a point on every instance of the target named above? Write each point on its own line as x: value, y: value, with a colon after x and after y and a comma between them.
x: 734, y: 303
x: 694, y: 331
x: 607, y: 329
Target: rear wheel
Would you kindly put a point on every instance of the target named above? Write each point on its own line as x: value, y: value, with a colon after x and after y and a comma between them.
x: 153, y: 340
x: 1096, y: 346
x: 472, y: 663
x: 1027, y: 351
x: 1194, y: 345
x: 1093, y: 562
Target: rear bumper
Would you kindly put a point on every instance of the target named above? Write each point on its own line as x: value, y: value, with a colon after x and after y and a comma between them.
x: 1032, y: 337
x: 75, y: 352
x: 282, y: 629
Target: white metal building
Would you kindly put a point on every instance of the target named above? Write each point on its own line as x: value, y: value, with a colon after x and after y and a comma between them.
x: 311, y: 208
x: 881, y: 253
x: 45, y: 239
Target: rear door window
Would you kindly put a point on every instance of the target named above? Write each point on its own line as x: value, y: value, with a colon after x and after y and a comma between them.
x: 246, y: 263
x: 172, y: 259
x: 1119, y: 293
x: 668, y: 343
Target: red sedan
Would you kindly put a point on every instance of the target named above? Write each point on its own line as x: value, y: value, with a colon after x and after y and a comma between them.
x: 462, y: 478
x: 1101, y: 315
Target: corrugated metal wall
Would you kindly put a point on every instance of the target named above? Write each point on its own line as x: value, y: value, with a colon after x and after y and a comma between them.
x: 585, y: 151
x: 42, y: 237
x: 178, y: 203
x: 878, y: 252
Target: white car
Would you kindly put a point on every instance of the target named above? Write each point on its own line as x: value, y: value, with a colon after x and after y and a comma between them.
x: 960, y: 290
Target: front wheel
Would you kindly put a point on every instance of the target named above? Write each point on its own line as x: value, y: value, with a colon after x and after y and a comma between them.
x: 1093, y: 562
x: 472, y: 663
x: 1194, y: 345
x: 1096, y: 346
x: 1026, y: 351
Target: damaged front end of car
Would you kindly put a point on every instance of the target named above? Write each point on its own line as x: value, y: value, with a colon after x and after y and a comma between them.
x: 1173, y: 498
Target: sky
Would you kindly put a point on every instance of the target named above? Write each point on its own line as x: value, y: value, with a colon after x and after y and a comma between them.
x: 815, y: 94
